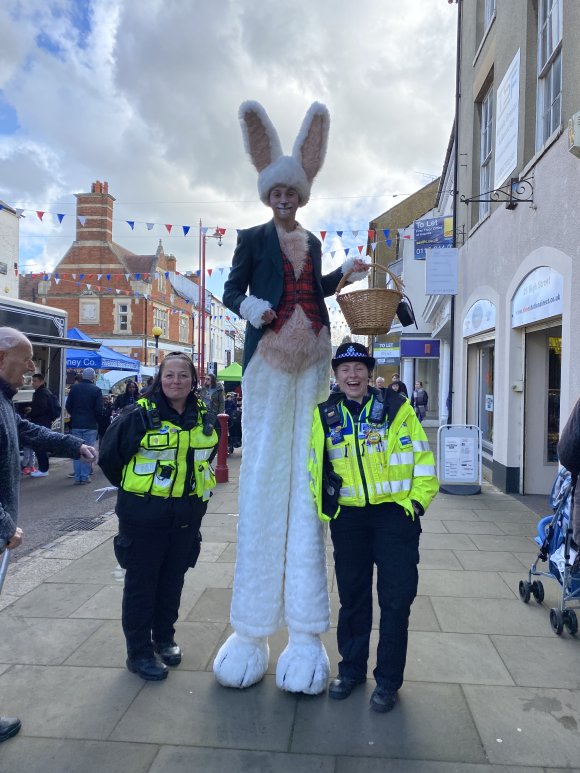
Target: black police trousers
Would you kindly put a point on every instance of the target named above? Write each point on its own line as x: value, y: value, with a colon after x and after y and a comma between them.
x: 155, y: 545
x: 386, y: 537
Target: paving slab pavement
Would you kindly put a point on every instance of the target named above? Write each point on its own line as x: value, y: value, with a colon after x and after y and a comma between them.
x: 488, y: 685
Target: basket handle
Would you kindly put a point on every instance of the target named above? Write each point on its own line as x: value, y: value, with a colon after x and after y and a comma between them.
x: 397, y: 282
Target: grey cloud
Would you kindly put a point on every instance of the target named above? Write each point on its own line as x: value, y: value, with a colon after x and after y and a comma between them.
x: 151, y: 105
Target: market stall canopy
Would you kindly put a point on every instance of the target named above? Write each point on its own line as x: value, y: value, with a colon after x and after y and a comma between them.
x: 101, y: 359
x: 232, y: 373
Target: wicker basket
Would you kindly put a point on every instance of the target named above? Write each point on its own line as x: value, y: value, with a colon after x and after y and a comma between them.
x: 370, y: 311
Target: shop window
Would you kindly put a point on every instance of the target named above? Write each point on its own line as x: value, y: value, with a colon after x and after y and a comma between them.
x: 486, y: 396
x: 554, y: 381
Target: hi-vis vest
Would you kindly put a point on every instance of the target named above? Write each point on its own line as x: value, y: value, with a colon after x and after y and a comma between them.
x: 172, y: 462
x: 398, y: 467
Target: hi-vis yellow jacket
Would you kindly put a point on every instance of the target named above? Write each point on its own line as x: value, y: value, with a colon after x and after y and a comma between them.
x: 172, y: 462
x: 398, y: 467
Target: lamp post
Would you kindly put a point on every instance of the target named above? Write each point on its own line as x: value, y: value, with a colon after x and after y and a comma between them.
x: 156, y: 332
x: 203, y: 236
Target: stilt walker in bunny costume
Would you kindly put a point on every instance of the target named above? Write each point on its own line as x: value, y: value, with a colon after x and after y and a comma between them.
x: 276, y: 284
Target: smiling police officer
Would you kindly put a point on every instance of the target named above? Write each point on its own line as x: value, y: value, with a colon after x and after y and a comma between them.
x: 369, y: 448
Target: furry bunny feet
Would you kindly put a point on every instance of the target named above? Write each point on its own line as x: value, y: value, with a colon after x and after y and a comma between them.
x: 241, y: 661
x: 303, y: 666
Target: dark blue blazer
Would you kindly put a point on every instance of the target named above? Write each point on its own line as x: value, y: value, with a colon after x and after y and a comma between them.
x: 257, y: 267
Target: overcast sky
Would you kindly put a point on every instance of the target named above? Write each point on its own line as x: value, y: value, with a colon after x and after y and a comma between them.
x: 145, y: 94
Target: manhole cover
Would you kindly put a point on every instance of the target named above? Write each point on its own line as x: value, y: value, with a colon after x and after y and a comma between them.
x: 82, y: 524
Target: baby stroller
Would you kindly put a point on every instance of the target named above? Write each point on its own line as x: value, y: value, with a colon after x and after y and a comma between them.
x: 554, y: 539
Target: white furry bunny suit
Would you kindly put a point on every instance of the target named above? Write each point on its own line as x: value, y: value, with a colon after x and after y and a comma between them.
x: 280, y: 575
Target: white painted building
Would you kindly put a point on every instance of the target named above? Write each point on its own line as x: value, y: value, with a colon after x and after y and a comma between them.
x: 9, y: 241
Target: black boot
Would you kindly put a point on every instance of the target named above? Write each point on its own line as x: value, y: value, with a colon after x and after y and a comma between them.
x: 9, y: 727
x: 169, y: 652
x: 151, y: 669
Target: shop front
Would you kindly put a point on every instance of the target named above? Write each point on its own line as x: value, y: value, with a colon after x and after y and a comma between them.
x: 536, y: 315
x: 479, y: 335
x: 420, y: 362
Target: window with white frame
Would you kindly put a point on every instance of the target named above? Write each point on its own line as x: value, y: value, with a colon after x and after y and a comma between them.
x: 160, y: 319
x: 161, y: 281
x: 122, y: 317
x: 488, y: 13
x: 549, y: 69
x: 485, y: 172
x: 183, y: 327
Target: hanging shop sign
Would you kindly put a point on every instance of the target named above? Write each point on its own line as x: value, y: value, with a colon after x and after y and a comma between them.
x: 479, y: 318
x: 506, y: 125
x: 539, y: 296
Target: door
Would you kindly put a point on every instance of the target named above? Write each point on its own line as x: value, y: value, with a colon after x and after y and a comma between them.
x: 542, y: 409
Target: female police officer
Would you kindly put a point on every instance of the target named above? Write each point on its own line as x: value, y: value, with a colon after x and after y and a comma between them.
x: 159, y: 456
x: 369, y: 447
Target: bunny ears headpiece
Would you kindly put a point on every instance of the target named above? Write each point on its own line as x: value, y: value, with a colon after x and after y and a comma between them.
x: 263, y: 145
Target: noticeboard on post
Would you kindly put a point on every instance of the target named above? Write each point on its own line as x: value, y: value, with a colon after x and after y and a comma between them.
x: 459, y: 459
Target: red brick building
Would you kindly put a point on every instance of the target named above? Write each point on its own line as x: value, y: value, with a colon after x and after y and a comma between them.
x: 113, y: 294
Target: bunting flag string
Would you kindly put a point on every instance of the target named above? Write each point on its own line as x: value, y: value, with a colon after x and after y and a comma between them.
x: 330, y: 253
x: 185, y: 229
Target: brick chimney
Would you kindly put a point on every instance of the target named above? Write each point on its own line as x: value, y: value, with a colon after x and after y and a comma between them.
x: 171, y: 263
x: 97, y: 208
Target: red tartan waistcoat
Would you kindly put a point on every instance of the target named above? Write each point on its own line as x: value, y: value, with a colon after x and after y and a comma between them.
x: 298, y: 292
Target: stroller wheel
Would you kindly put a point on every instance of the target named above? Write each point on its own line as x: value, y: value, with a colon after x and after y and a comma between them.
x: 538, y: 591
x: 571, y: 621
x: 524, y: 589
x: 557, y: 620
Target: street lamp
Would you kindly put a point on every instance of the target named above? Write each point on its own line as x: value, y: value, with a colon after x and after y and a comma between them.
x: 203, y: 236
x: 156, y: 332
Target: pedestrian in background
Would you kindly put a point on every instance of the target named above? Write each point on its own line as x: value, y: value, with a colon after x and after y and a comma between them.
x: 419, y: 400
x: 15, y: 361
x: 380, y: 382
x: 128, y: 397
x: 212, y: 393
x: 397, y: 387
x: 106, y: 416
x: 384, y: 479
x: 85, y: 406
x: 159, y: 456
x: 396, y: 379
x: 146, y: 385
x: 42, y: 413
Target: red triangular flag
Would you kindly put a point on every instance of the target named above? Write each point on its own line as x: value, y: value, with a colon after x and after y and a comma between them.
x: 169, y: 227
x: 323, y: 235
x: 40, y: 215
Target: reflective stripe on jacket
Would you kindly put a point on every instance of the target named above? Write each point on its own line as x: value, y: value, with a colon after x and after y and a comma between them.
x: 398, y: 468
x: 172, y: 462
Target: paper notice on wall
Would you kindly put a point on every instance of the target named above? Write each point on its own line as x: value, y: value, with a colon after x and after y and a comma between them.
x: 460, y: 461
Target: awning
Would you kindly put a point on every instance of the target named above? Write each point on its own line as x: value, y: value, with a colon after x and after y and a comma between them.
x: 232, y: 373
x: 101, y: 359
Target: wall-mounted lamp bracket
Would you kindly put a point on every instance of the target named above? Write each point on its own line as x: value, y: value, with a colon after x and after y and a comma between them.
x: 513, y: 193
